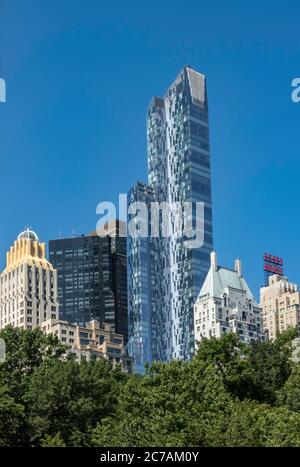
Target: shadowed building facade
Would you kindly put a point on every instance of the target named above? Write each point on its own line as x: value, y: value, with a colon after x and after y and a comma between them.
x: 92, y: 278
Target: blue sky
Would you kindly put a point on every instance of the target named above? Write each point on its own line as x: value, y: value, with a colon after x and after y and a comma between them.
x: 80, y: 75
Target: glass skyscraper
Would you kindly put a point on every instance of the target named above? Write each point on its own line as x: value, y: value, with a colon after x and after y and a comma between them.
x: 141, y: 262
x: 178, y: 172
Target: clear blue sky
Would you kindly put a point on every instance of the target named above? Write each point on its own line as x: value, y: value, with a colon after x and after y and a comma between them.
x: 80, y: 75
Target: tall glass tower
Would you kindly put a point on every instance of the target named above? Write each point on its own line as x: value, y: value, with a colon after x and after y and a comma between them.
x: 178, y: 172
x: 141, y: 292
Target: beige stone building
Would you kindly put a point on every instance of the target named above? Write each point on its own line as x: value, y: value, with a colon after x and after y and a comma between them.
x: 94, y: 340
x: 28, y: 285
x: 280, y: 303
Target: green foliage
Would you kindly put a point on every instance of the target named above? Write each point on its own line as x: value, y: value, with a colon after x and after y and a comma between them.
x: 46, y: 394
x: 252, y: 424
x: 183, y: 404
x: 70, y: 398
x: 230, y: 394
x: 250, y: 372
x: 25, y: 351
x: 289, y: 395
x: 11, y: 419
x: 53, y: 441
x: 271, y: 366
x: 230, y: 358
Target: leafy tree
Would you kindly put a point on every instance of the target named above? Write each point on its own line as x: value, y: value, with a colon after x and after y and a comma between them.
x: 70, y: 398
x: 255, y: 371
x: 160, y: 409
x: 25, y: 351
x: 271, y: 365
x: 53, y: 441
x: 230, y: 357
x: 11, y: 419
x: 181, y: 404
x: 230, y: 394
x: 289, y: 395
x: 252, y: 424
x: 284, y: 428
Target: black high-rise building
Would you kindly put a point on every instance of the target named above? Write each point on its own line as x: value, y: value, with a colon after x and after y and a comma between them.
x: 92, y: 277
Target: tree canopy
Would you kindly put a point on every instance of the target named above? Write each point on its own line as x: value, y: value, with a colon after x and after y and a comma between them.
x: 230, y: 394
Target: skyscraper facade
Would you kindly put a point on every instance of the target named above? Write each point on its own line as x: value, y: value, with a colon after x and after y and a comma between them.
x: 116, y: 230
x: 92, y: 279
x: 142, y: 319
x: 280, y: 303
x: 178, y: 172
x: 28, y: 284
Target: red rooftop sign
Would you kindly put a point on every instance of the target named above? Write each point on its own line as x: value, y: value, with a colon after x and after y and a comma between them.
x: 273, y: 264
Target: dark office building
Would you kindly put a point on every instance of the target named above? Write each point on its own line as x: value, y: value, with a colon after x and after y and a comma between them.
x: 92, y: 278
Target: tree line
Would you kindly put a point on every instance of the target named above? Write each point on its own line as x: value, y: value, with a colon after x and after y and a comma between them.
x: 230, y: 394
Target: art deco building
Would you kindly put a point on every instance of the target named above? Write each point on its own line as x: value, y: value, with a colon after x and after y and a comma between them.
x: 28, y: 285
x: 92, y: 277
x: 178, y: 172
x: 226, y: 304
x: 280, y: 303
